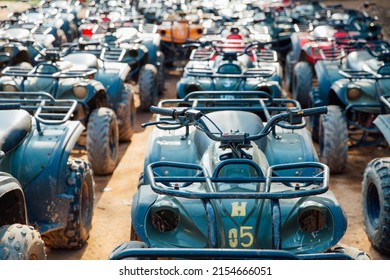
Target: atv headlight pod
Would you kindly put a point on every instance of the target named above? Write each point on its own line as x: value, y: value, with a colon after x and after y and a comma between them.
x: 312, y: 219
x: 353, y: 92
x: 9, y: 87
x: 165, y: 217
x: 133, y: 52
x: 80, y: 91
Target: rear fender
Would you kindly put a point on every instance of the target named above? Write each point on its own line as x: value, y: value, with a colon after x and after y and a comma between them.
x: 295, y: 47
x: 113, y: 78
x: 152, y: 43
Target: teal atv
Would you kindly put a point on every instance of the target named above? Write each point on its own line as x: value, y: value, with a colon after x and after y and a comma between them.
x: 105, y: 102
x: 52, y: 191
x: 234, y: 178
x: 231, y: 66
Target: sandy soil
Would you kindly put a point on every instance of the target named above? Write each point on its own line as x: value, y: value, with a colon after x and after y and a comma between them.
x: 111, y: 221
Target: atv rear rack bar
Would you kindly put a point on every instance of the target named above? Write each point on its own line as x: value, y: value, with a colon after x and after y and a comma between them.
x: 249, y: 73
x: 46, y: 109
x: 263, y: 55
x: 17, y: 71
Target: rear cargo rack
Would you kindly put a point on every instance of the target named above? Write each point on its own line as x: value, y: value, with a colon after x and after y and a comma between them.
x: 258, y: 102
x: 17, y: 71
x: 45, y: 109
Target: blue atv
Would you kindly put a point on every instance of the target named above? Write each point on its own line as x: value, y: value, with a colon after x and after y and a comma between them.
x: 351, y: 86
x: 238, y: 175
x: 18, y: 239
x: 19, y: 46
x: 137, y: 46
x: 231, y: 66
x: 37, y: 141
x: 105, y: 102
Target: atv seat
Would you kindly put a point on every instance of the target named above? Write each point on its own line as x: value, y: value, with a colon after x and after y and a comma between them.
x: 362, y: 61
x: 14, y: 127
x: 83, y: 60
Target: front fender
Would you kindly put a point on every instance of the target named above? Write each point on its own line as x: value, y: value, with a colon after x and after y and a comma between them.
x: 327, y: 73
x: 12, y: 201
x: 152, y: 43
x: 295, y: 47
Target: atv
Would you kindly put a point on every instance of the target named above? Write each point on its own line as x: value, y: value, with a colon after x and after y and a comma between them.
x: 58, y: 189
x: 105, y: 102
x: 238, y: 175
x: 375, y: 190
x: 137, y: 46
x: 351, y: 87
x: 231, y: 65
x: 176, y: 32
x: 321, y: 32
x: 18, y: 239
x: 40, y: 25
x: 20, y: 45
x: 13, y: 53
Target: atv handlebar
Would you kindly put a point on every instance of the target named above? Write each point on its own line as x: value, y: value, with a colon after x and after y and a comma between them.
x: 174, y: 113
x: 186, y: 116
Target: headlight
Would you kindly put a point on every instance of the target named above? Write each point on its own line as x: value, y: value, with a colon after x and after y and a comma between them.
x: 133, y: 52
x: 191, y: 88
x: 312, y: 220
x: 353, y: 93
x: 80, y: 91
x: 165, y: 219
x: 264, y: 88
x: 8, y: 87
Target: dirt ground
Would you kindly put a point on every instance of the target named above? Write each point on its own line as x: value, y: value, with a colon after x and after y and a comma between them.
x: 111, y: 221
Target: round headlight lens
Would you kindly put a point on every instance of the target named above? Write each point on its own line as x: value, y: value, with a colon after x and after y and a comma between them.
x: 80, y: 91
x: 165, y: 220
x: 312, y: 220
x: 133, y: 52
x: 353, y: 93
x: 8, y: 87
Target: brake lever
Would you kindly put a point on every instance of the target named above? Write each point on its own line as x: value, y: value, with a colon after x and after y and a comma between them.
x: 159, y: 122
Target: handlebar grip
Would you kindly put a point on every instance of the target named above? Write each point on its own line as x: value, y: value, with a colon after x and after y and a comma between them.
x: 10, y: 106
x: 162, y: 111
x: 315, y: 111
x: 174, y: 113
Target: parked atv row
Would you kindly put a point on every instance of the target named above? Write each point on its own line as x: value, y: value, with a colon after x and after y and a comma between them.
x: 47, y: 196
x: 230, y: 170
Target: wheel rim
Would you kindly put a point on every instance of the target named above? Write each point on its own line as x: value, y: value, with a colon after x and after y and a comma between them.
x: 373, y: 206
